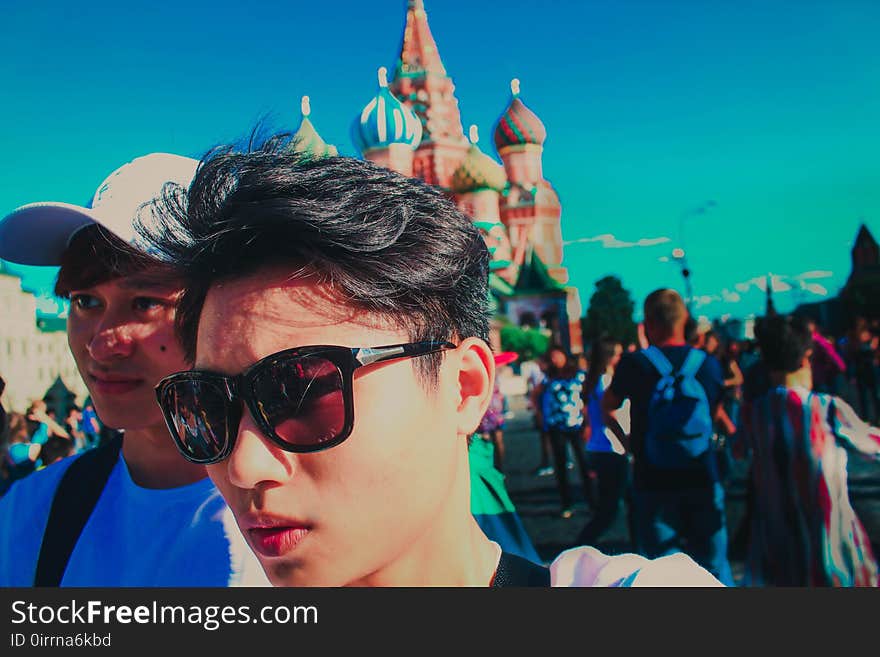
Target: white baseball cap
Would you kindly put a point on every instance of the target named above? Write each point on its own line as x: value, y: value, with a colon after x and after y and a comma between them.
x: 38, y: 233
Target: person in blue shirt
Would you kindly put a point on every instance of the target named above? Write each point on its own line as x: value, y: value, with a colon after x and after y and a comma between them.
x: 607, y: 457
x: 21, y: 455
x: 28, y: 439
x: 89, y: 425
x: 158, y: 520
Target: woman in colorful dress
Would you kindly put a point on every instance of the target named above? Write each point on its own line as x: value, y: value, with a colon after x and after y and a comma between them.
x: 804, y: 530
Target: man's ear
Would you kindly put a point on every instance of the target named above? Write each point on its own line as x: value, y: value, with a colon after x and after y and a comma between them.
x: 475, y: 380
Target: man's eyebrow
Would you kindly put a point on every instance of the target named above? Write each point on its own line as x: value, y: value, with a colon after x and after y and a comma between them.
x: 148, y: 283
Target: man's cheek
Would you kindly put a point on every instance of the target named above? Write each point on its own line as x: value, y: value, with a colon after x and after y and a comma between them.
x: 217, y: 474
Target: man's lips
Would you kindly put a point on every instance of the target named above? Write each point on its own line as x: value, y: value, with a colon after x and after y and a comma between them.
x: 275, y: 537
x: 114, y: 385
x: 276, y: 541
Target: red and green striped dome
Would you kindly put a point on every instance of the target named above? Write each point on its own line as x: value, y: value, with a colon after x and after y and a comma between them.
x: 518, y: 125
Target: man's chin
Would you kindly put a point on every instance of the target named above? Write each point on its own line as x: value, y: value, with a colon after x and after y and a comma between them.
x: 281, y: 574
x: 296, y: 573
x: 124, y: 419
x: 110, y: 419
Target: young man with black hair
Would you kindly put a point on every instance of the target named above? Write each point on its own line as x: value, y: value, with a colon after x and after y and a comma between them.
x: 803, y: 531
x: 134, y: 514
x: 677, y: 493
x: 337, y: 316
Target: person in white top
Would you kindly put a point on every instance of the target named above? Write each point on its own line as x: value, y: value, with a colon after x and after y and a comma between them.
x: 156, y: 520
x: 336, y: 312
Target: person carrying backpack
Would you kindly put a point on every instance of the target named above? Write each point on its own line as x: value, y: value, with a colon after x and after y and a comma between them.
x: 675, y: 392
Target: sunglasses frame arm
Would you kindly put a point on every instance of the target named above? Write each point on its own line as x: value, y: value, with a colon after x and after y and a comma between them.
x: 370, y: 355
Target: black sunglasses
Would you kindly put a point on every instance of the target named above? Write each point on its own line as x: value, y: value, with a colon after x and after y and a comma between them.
x: 301, y: 399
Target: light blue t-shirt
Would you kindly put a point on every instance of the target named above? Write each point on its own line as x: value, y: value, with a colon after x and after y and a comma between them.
x: 41, y: 435
x: 135, y: 536
x: 19, y: 453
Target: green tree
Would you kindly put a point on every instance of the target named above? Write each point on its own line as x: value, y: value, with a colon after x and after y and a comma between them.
x: 610, y: 312
x: 529, y: 343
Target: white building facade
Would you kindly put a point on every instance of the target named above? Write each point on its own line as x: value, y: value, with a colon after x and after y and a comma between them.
x: 31, y: 359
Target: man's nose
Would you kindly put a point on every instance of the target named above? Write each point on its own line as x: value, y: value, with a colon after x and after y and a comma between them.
x: 255, y: 459
x: 112, y: 343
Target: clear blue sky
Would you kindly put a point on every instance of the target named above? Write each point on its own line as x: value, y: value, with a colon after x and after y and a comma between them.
x: 771, y: 109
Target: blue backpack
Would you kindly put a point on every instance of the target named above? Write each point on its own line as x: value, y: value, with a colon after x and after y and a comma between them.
x: 679, y: 418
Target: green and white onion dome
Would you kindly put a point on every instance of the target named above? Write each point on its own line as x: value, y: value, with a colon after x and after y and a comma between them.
x: 307, y: 140
x: 385, y: 120
x: 478, y: 171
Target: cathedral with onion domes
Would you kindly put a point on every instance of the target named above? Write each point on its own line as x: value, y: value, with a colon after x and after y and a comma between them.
x: 413, y: 126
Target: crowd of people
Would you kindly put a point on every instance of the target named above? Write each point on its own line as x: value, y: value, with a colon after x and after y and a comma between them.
x: 298, y: 377
x: 35, y: 439
x: 696, y: 401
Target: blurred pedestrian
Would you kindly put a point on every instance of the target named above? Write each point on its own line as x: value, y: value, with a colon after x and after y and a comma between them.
x: 606, y: 455
x: 863, y: 347
x: 804, y: 531
x: 730, y: 402
x: 73, y: 424
x: 91, y: 426
x: 826, y: 364
x: 675, y: 393
x: 491, y: 428
x: 536, y: 379
x: 561, y: 416
x: 21, y: 456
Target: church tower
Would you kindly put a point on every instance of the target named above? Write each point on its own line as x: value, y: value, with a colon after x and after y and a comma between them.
x: 421, y: 82
x: 531, y: 209
x: 865, y: 252
x: 532, y: 213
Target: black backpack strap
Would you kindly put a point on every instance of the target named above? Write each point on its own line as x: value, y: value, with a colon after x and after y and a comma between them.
x: 516, y: 571
x: 75, y: 499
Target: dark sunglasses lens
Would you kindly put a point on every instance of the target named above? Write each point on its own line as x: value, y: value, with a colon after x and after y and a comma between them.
x: 200, y: 418
x: 301, y: 398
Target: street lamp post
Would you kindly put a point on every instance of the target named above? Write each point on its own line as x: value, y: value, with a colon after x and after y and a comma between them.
x: 679, y: 256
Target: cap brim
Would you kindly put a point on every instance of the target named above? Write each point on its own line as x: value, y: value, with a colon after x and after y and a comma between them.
x: 505, y: 358
x: 38, y: 233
